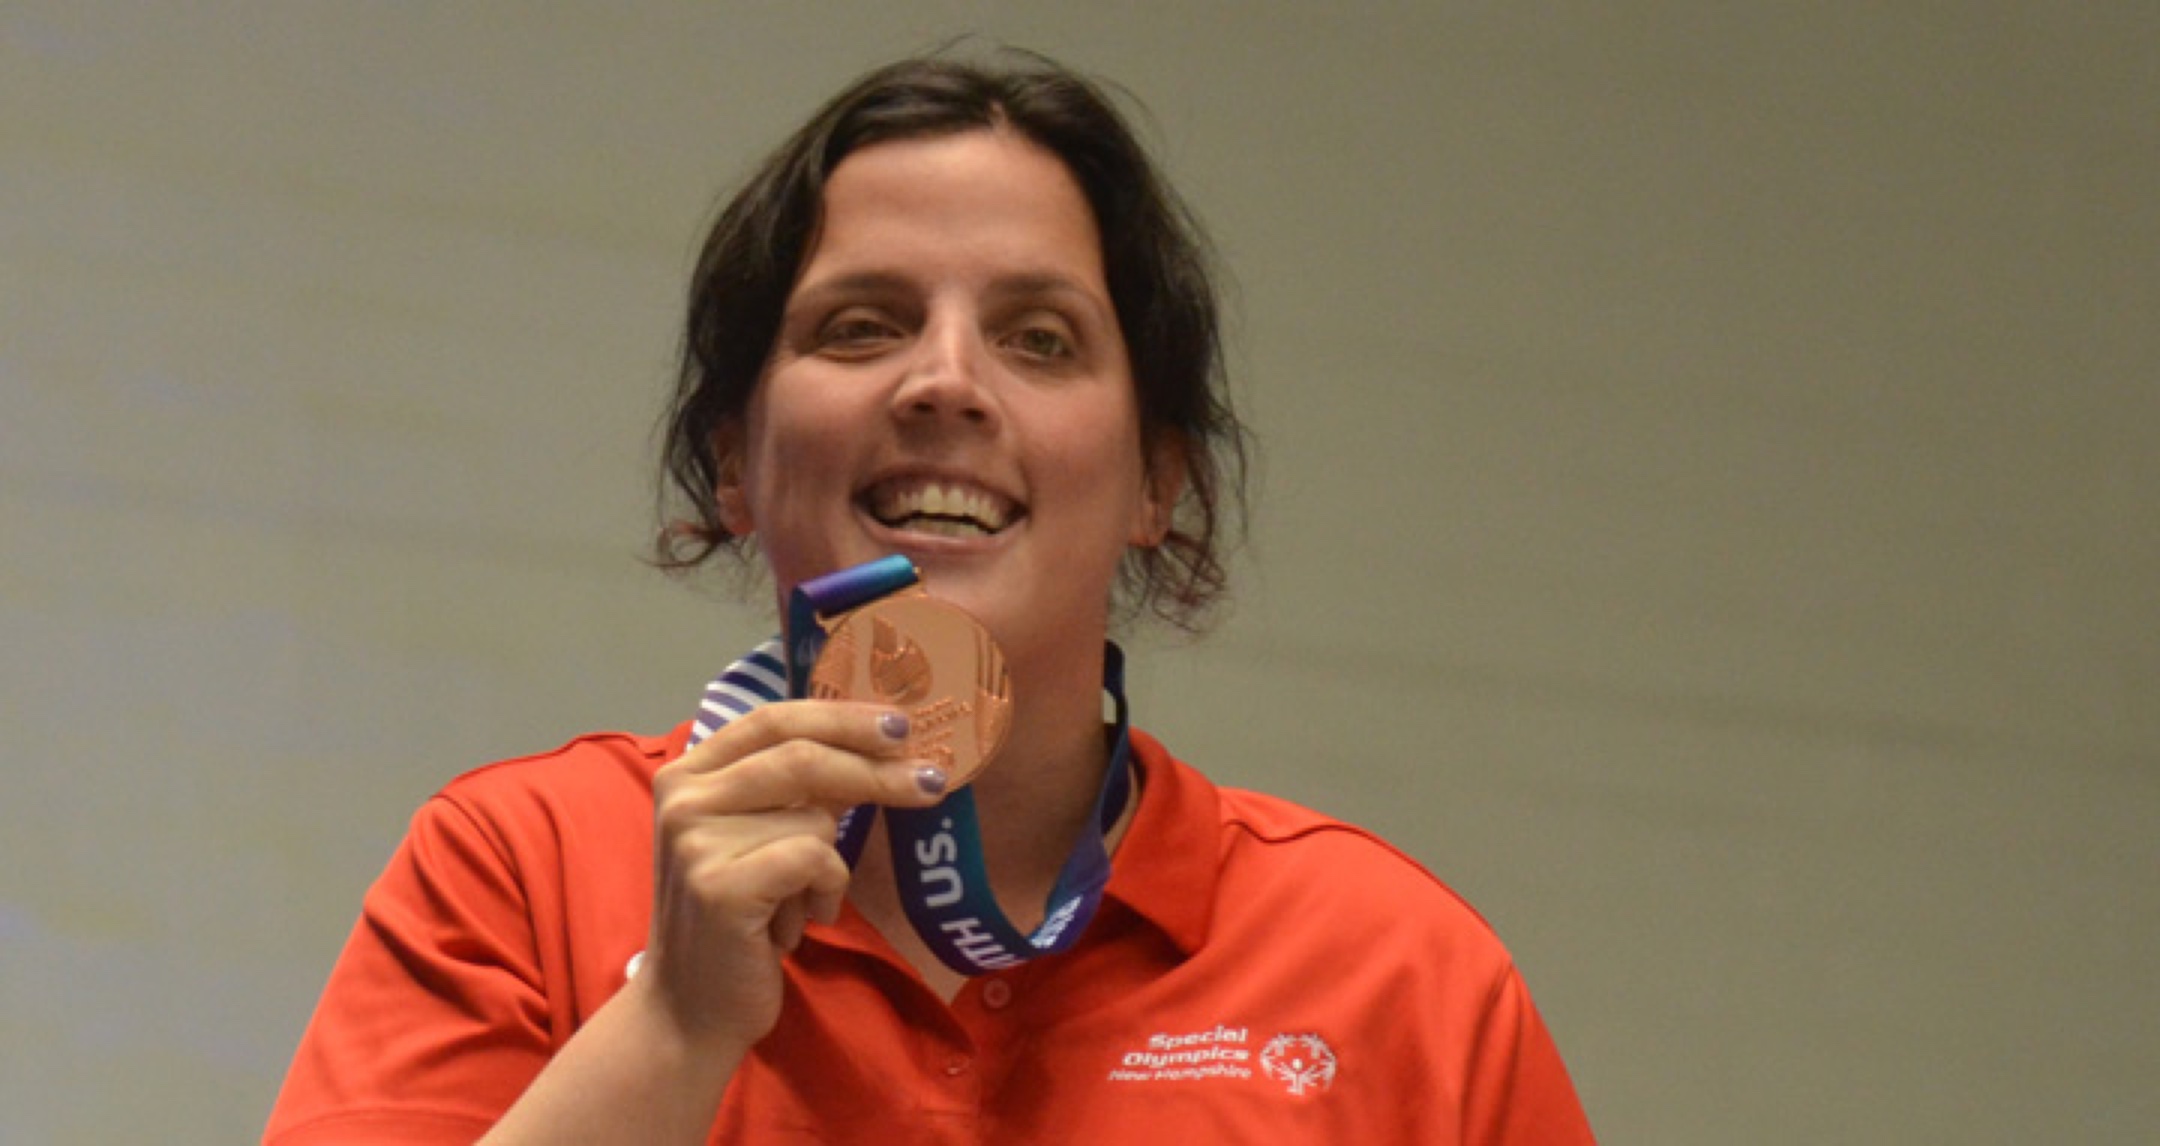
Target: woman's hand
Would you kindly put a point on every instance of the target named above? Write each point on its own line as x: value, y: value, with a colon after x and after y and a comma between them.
x: 743, y: 853
x: 742, y: 858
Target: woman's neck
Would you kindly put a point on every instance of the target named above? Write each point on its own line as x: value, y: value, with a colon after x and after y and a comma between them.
x: 1041, y: 789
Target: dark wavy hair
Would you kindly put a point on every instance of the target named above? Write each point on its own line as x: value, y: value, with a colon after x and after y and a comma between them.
x: 1154, y: 256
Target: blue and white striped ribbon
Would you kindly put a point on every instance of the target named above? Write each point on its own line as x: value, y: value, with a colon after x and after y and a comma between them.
x: 759, y: 678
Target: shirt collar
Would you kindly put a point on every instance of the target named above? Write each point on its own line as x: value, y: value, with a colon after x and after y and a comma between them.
x: 1166, y: 866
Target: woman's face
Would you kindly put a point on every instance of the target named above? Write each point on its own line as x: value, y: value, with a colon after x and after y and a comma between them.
x: 950, y: 383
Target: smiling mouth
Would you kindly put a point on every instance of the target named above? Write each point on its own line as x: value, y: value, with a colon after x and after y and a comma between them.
x: 941, y: 509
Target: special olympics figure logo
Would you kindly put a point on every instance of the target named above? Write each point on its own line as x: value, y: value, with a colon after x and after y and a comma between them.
x: 1302, y: 1061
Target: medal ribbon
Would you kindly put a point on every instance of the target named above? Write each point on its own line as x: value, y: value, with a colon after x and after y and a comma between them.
x: 937, y: 854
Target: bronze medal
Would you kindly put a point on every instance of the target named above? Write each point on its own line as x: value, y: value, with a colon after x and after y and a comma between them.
x: 932, y: 660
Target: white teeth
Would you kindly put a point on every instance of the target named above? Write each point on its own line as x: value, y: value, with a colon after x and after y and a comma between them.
x: 933, y: 508
x: 946, y: 527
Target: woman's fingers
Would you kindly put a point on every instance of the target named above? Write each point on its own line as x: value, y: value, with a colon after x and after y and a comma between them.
x: 799, y: 774
x: 767, y: 889
x: 721, y: 840
x: 866, y: 729
x: 822, y: 754
x: 787, y: 925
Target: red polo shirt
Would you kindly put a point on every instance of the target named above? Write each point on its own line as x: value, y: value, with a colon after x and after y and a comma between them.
x: 1257, y: 973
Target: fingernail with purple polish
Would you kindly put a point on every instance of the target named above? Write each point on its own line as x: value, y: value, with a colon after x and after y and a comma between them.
x: 930, y: 780
x: 893, y: 724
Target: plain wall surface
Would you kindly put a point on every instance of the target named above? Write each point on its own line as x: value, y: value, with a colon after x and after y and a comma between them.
x: 1706, y: 512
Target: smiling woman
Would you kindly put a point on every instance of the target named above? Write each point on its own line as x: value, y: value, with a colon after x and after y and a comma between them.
x: 1148, y: 267
x: 953, y: 349
x: 953, y: 334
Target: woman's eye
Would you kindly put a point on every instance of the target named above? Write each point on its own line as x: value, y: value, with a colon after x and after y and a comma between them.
x: 855, y: 333
x: 1041, y: 342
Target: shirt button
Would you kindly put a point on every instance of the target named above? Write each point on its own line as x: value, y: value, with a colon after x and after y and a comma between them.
x: 996, y: 994
x: 957, y: 1065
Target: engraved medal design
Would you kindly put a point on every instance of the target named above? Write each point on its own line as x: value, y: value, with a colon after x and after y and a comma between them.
x: 931, y: 659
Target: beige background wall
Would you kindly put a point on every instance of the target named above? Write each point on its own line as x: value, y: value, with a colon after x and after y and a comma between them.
x: 1707, y: 513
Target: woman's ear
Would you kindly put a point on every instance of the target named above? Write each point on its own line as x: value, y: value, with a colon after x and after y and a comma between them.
x: 734, y: 510
x: 728, y: 493
x: 1161, y: 486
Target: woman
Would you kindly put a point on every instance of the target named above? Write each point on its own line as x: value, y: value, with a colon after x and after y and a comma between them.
x: 955, y: 319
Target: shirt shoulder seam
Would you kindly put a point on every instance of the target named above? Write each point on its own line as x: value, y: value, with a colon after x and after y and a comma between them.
x: 650, y: 747
x: 1321, y: 826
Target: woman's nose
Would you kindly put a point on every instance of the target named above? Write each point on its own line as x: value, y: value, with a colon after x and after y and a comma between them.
x: 945, y: 377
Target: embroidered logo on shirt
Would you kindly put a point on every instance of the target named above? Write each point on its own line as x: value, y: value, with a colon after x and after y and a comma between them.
x: 1302, y: 1061
x: 1219, y: 1053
